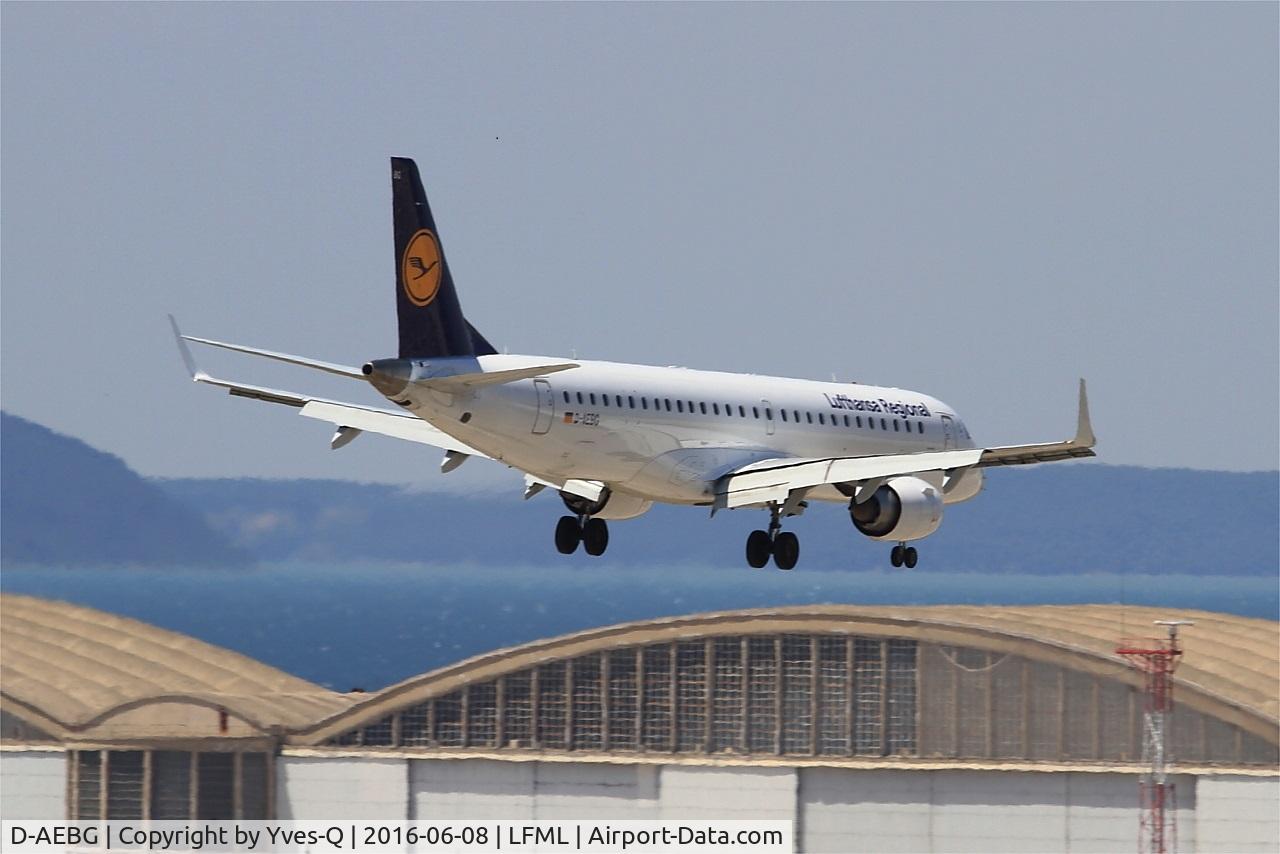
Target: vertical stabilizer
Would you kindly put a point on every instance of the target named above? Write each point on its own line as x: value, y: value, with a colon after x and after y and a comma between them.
x: 430, y: 317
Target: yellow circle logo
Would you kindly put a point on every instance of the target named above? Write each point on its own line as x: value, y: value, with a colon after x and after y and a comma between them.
x: 420, y: 268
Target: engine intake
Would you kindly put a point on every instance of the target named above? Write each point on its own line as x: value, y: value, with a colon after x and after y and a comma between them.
x: 905, y: 508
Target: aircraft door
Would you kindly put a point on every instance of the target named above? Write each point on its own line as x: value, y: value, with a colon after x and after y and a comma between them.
x: 948, y: 433
x: 546, y: 405
x: 768, y: 416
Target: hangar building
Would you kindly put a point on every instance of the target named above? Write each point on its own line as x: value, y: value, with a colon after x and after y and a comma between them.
x: 942, y: 728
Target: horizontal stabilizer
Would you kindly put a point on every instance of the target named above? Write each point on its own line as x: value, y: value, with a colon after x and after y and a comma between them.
x: 463, y: 382
x: 327, y: 367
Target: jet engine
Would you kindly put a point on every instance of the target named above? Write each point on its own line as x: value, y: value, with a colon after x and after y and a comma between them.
x: 610, y: 505
x: 905, y: 508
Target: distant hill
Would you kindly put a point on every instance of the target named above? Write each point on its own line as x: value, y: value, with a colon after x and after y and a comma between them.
x: 64, y: 503
x: 1053, y: 519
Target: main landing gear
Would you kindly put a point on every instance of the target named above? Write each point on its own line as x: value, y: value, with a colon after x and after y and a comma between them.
x: 592, y: 533
x: 904, y: 555
x: 784, y: 546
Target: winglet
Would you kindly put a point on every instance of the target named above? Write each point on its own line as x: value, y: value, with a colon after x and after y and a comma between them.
x: 187, y: 358
x: 1084, y: 428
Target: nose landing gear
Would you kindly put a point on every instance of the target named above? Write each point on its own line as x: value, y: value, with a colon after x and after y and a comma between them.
x: 784, y: 546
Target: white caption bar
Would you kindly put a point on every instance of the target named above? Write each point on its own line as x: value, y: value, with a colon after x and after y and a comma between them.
x: 423, y: 837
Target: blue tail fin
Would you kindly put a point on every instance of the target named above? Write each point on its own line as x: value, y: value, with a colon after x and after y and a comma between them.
x: 430, y: 317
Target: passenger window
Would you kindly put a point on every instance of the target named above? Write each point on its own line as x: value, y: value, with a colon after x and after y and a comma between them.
x: 715, y: 408
x: 846, y: 421
x: 883, y: 425
x: 667, y: 401
x: 679, y: 406
x: 822, y: 418
x: 808, y: 416
x: 871, y: 424
x: 755, y: 412
x: 857, y: 419
x: 579, y: 397
x: 768, y: 412
x: 566, y: 397
x: 644, y: 403
x: 631, y: 402
x: 795, y: 413
x: 702, y: 406
x: 605, y: 399
x: 784, y: 414
x: 919, y: 426
x: 593, y: 398
x: 895, y: 425
x: 617, y: 398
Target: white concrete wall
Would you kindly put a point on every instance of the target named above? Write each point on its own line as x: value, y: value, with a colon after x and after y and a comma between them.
x: 321, y: 788
x: 727, y: 793
x: 470, y: 789
x: 33, y: 785
x: 834, y: 810
x: 570, y: 791
x: 992, y: 811
x: 854, y: 811
x: 483, y: 788
x: 1237, y: 814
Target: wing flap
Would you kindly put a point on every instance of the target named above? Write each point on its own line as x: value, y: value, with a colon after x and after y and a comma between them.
x: 385, y: 422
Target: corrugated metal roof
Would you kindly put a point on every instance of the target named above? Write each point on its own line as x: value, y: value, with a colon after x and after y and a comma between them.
x: 1228, y: 660
x: 73, y: 664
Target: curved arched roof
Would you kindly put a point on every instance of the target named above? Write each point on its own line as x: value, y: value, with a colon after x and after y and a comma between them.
x: 64, y: 666
x: 72, y: 665
x: 1230, y: 667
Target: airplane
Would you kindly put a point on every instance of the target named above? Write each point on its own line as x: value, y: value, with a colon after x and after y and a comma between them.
x: 612, y: 439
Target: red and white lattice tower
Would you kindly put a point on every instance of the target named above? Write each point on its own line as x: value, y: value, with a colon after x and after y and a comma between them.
x: 1157, y: 659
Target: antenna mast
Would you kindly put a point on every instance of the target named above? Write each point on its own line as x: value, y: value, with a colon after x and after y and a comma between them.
x: 1157, y: 659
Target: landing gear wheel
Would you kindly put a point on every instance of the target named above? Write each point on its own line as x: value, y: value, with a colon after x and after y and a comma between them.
x: 786, y: 550
x: 896, y: 556
x: 568, y: 535
x: 910, y: 556
x: 595, y: 536
x: 759, y: 547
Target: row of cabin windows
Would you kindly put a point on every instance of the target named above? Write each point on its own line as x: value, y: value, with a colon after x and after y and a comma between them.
x: 659, y: 404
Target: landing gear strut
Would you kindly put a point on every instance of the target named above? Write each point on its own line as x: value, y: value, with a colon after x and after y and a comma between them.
x: 904, y: 554
x: 784, y: 546
x: 592, y: 533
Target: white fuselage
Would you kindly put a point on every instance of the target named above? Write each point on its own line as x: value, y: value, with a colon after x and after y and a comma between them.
x: 667, y: 434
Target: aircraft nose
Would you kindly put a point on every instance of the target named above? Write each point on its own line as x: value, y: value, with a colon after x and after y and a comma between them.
x: 389, y: 376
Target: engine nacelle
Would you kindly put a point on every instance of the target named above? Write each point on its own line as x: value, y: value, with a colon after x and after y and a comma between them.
x: 905, y: 508
x: 610, y: 505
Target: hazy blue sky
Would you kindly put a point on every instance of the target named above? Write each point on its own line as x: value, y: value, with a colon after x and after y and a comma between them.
x: 982, y: 202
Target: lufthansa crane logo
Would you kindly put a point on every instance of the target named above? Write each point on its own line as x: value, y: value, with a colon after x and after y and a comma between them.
x: 420, y: 268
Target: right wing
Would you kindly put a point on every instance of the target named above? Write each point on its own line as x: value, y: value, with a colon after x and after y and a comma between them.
x: 349, y: 418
